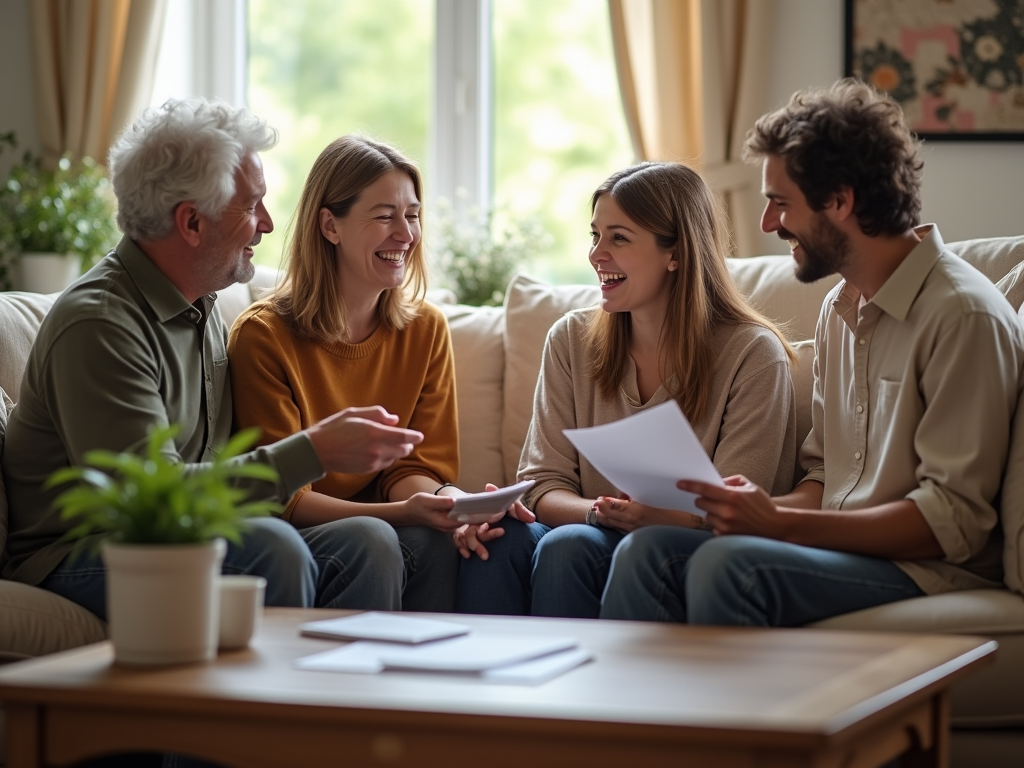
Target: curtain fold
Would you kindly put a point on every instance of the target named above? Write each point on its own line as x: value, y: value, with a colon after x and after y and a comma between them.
x: 93, y: 64
x: 657, y: 46
x: 693, y: 75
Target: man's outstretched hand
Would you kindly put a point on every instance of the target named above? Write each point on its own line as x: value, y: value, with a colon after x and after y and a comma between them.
x: 358, y: 440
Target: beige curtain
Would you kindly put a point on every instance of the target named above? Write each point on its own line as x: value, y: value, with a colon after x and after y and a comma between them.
x: 93, y: 66
x: 692, y: 75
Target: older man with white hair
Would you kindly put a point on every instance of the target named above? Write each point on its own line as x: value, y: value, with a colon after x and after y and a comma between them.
x: 136, y: 343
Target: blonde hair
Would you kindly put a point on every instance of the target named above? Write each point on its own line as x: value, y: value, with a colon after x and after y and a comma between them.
x: 674, y: 203
x: 309, y: 299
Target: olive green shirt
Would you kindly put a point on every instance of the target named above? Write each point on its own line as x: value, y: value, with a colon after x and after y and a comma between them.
x: 122, y: 351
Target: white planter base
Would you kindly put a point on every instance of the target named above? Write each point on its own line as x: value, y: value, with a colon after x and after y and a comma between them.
x: 46, y: 272
x: 163, y: 602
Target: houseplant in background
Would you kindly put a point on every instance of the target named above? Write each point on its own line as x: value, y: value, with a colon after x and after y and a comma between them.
x: 477, y: 254
x: 54, y: 224
x: 160, y: 528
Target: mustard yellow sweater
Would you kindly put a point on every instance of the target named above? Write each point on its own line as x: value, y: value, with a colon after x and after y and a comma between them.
x: 284, y: 383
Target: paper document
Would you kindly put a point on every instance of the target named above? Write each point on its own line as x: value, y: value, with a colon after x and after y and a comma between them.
x: 375, y: 625
x: 480, y: 507
x: 526, y: 659
x: 644, y: 455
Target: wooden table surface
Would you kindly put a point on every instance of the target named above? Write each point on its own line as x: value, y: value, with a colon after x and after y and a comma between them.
x: 654, y: 694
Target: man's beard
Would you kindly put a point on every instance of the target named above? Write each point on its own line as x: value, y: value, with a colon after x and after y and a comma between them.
x: 826, y: 250
x: 219, y: 274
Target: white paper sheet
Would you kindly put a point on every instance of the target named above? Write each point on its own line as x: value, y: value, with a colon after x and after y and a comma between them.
x: 480, y: 507
x: 644, y: 455
x: 524, y: 659
x: 376, y: 625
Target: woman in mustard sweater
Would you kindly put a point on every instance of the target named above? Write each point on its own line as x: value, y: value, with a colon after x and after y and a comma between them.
x: 349, y: 327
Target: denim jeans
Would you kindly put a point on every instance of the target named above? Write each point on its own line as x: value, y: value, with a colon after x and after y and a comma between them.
x: 678, y: 574
x: 570, y: 569
x: 500, y: 585
x: 357, y: 563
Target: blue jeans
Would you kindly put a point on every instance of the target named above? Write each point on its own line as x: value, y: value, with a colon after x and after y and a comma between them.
x: 570, y: 569
x: 678, y: 574
x: 357, y: 563
x: 500, y: 585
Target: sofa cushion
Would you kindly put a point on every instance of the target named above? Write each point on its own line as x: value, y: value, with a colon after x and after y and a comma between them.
x: 769, y: 284
x: 993, y: 696
x: 5, y: 409
x: 34, y: 622
x: 479, y: 371
x: 995, y: 257
x: 21, y: 314
x: 531, y: 308
x: 802, y: 373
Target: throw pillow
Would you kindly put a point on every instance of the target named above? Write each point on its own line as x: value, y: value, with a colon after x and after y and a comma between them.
x: 5, y: 409
x: 479, y: 371
x: 531, y: 308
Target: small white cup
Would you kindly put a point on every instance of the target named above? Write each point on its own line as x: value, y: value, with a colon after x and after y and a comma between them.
x: 241, y: 607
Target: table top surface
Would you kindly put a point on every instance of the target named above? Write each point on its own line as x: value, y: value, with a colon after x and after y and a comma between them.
x: 800, y: 682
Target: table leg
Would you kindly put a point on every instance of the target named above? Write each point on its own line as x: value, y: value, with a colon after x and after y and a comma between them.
x: 935, y: 755
x: 24, y: 735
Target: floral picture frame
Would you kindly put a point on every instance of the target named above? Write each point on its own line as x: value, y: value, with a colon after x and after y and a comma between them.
x: 955, y: 66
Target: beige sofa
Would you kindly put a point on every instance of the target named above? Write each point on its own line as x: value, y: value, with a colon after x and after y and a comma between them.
x: 497, y: 357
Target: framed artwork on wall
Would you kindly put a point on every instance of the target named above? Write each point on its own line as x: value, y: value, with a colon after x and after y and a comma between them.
x: 955, y: 66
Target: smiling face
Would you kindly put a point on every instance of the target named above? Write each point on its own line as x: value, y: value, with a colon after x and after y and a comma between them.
x: 632, y: 267
x: 374, y: 239
x: 819, y: 247
x: 228, y: 248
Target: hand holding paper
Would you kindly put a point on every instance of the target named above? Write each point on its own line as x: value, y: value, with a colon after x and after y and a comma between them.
x: 646, y: 454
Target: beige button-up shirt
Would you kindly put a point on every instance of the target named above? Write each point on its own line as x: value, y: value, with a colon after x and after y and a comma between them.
x: 914, y: 394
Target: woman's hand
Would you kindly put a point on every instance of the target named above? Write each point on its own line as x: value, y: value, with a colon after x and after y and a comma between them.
x: 430, y: 510
x: 624, y: 514
x: 470, y: 538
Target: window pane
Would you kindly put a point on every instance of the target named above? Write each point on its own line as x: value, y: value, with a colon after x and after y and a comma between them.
x: 558, y: 123
x: 319, y: 69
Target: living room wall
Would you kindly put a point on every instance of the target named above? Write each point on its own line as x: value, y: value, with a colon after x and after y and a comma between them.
x: 970, y: 189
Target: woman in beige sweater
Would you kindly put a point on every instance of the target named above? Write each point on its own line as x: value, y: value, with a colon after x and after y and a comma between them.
x: 671, y: 325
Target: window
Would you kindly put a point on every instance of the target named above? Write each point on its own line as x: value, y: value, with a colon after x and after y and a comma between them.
x: 513, y: 102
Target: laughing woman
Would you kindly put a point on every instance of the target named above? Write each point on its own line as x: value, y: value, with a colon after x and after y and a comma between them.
x: 349, y: 327
x: 671, y: 326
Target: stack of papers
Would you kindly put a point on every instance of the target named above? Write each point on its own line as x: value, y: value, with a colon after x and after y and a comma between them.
x: 448, y: 648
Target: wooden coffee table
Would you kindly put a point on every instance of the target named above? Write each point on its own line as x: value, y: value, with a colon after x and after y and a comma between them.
x: 654, y: 695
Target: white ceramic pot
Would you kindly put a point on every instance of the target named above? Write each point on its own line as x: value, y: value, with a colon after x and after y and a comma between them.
x: 163, y: 602
x: 47, y: 272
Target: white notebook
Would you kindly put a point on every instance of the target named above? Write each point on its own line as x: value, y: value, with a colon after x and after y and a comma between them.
x: 389, y: 627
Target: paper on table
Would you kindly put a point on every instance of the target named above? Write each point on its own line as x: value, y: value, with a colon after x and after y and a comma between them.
x: 472, y: 653
x: 376, y: 625
x: 645, y: 454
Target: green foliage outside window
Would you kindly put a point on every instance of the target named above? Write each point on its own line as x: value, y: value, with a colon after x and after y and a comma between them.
x: 330, y: 67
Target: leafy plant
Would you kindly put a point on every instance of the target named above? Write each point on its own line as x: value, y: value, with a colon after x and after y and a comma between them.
x: 479, y: 255
x: 66, y: 210
x: 151, y: 499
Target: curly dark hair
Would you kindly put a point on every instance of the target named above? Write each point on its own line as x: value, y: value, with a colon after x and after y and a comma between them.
x: 847, y: 135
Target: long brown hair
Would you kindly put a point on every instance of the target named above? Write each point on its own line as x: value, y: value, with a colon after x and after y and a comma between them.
x: 674, y: 203
x: 309, y: 299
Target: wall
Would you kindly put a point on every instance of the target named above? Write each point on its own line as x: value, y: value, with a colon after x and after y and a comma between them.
x: 971, y: 189
x: 16, y: 103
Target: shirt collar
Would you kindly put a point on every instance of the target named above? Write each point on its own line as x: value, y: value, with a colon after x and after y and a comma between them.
x: 159, y: 292
x: 897, y: 294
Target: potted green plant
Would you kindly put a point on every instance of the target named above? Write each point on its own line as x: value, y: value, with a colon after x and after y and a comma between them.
x: 160, y: 528
x: 54, y: 222
x: 479, y: 253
